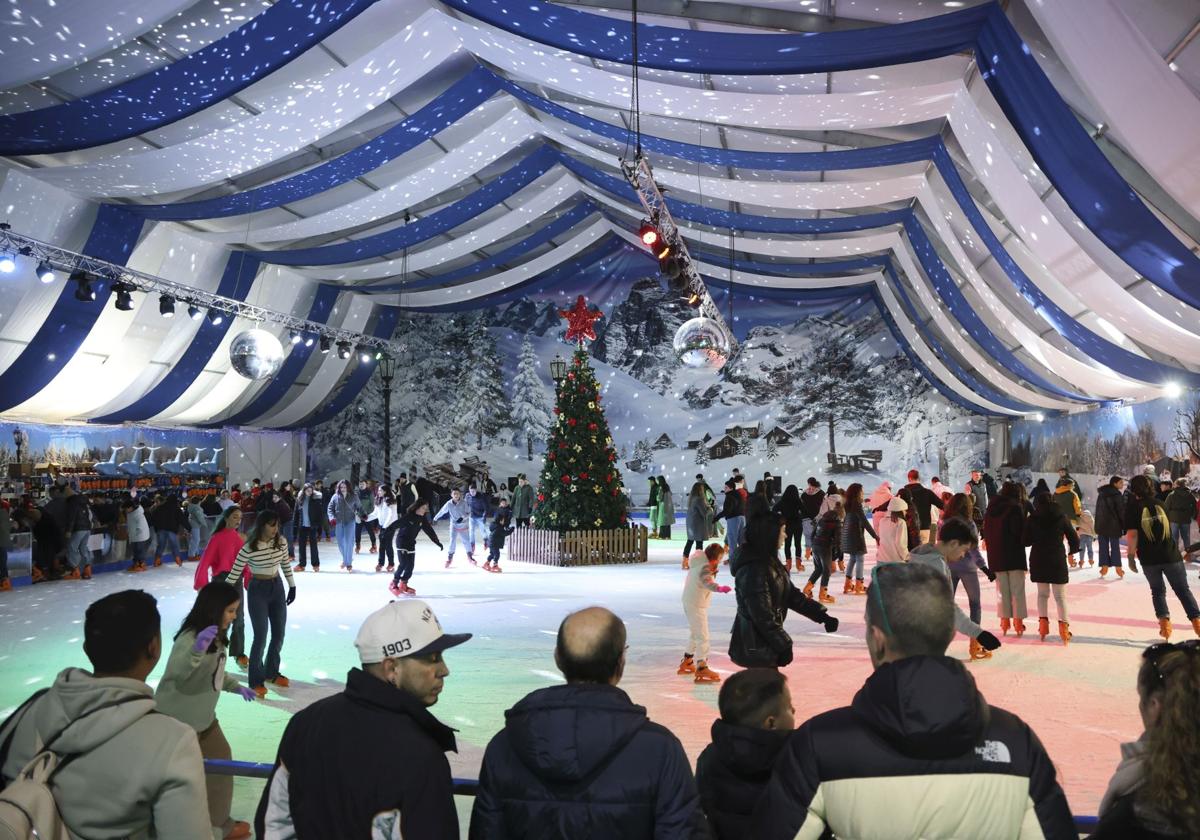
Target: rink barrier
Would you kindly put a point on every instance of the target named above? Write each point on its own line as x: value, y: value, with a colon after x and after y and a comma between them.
x: 578, y: 548
x: 462, y: 787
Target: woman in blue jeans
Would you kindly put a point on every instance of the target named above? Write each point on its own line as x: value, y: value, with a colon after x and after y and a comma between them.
x: 343, y: 514
x: 265, y: 553
x: 854, y: 541
x: 1148, y: 535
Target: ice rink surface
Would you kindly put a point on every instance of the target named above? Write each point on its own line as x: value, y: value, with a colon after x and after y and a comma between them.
x: 1080, y: 700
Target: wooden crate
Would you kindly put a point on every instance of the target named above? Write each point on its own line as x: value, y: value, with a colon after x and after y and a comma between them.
x: 578, y: 548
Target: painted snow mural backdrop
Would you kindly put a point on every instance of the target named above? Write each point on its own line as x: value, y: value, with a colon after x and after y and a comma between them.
x: 475, y: 382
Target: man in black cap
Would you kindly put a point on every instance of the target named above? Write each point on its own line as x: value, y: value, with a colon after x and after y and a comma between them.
x: 371, y: 760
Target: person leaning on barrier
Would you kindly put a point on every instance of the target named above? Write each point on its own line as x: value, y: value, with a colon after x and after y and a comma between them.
x: 370, y: 761
x: 919, y: 752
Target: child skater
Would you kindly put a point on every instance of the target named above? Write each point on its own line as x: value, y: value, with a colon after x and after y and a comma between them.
x: 459, y: 513
x: 501, y: 528
x: 1086, y: 529
x: 194, y: 679
x: 414, y: 521
x: 697, y: 592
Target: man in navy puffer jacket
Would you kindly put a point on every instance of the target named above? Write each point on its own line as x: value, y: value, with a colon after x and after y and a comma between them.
x: 581, y: 760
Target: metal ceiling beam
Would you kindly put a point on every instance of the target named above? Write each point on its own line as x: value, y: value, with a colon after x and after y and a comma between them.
x: 819, y: 20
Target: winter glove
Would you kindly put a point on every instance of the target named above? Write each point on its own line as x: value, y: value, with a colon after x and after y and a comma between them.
x: 247, y: 693
x: 988, y: 641
x: 991, y: 576
x: 291, y: 595
x: 785, y: 657
x: 205, y: 638
x: 724, y: 590
x: 440, y: 546
x: 831, y: 623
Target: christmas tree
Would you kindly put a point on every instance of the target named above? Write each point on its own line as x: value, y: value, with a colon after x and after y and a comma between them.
x: 580, y: 485
x: 530, y: 413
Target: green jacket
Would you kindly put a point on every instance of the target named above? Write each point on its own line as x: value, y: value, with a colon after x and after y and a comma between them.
x: 522, y: 502
x: 188, y: 690
x: 1180, y: 506
x: 664, y: 511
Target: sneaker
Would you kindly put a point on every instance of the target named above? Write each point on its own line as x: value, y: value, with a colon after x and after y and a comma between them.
x: 239, y: 831
x: 704, y: 674
x: 243, y: 661
x: 280, y: 681
x: 87, y: 572
x: 260, y: 692
x: 74, y: 574
x: 396, y: 589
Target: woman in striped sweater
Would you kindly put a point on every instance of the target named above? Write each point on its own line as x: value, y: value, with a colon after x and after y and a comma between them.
x: 265, y: 554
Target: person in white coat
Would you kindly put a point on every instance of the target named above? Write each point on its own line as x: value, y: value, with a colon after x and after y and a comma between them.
x: 876, y: 504
x: 697, y: 592
x: 893, y: 533
x: 388, y: 517
x: 138, y: 534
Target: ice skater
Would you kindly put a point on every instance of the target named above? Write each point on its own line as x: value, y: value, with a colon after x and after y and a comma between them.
x: 343, y: 514
x: 477, y: 506
x: 414, y: 521
x: 501, y: 527
x: 825, y: 536
x: 458, y: 512
x: 1086, y: 529
x: 697, y: 592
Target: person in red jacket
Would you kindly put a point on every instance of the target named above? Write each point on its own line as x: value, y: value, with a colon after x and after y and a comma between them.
x: 218, y: 558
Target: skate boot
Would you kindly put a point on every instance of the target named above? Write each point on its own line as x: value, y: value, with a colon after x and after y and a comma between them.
x: 1019, y: 627
x: 260, y: 692
x: 1091, y: 562
x: 1164, y: 628
x: 396, y: 589
x: 378, y: 568
x: 807, y: 590
x: 449, y: 560
x: 280, y: 681
x: 848, y: 588
x: 841, y: 565
x: 496, y: 568
x: 157, y: 562
x: 686, y: 564
x: 178, y: 560
x: 74, y: 574
x: 687, y: 665
x: 391, y: 569
x: 87, y: 572
x: 787, y: 564
x: 408, y: 590
x: 471, y: 559
x: 1071, y: 560
x: 1043, y: 628
x: 1195, y: 621
x: 1005, y: 623
x: 1120, y: 571
x: 859, y: 588
x: 243, y: 661
x: 704, y: 674
x: 1103, y: 571
x: 978, y: 651
x: 36, y: 575
x: 6, y: 585
x: 825, y: 597
x: 487, y: 565
x: 1064, y: 631
x: 799, y: 565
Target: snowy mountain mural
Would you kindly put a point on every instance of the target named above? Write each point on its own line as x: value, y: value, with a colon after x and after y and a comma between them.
x: 816, y: 387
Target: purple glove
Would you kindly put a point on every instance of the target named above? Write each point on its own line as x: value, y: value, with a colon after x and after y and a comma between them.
x: 205, y: 638
x: 247, y: 693
x: 724, y: 590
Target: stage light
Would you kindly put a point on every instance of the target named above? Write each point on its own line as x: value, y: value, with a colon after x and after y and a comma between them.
x: 124, y: 293
x: 216, y: 317
x: 8, y: 262
x: 83, y: 290
x: 648, y: 233
x: 694, y: 299
x: 45, y: 272
x: 344, y: 349
x: 308, y: 341
x: 295, y: 337
x: 1172, y: 390
x: 166, y: 306
x: 1039, y: 417
x: 195, y: 312
x: 324, y: 344
x: 364, y: 354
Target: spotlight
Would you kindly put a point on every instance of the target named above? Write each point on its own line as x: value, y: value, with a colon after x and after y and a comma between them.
x: 8, y: 262
x: 1039, y: 417
x: 308, y: 341
x: 195, y: 312
x: 1172, y: 390
x: 343, y: 349
x: 324, y: 344
x: 166, y: 306
x: 364, y: 355
x: 45, y: 272
x: 295, y: 337
x: 648, y: 233
x: 694, y: 299
x: 124, y: 293
x: 83, y: 290
x: 216, y: 317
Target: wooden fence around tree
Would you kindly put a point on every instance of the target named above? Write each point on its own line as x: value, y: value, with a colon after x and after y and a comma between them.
x: 578, y: 548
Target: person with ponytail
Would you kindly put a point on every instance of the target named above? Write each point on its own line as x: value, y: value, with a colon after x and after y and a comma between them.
x: 193, y: 681
x: 218, y: 558
x: 1152, y: 794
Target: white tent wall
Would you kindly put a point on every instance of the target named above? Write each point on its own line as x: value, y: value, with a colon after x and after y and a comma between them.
x: 267, y: 455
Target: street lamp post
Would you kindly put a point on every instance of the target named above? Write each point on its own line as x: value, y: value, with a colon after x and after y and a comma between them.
x: 387, y: 371
x: 558, y: 369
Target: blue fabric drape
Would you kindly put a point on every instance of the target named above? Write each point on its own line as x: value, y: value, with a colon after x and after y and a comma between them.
x: 282, y: 382
x: 447, y: 108
x: 113, y: 237
x: 391, y: 241
x: 236, y: 282
x: 262, y: 45
x: 385, y: 325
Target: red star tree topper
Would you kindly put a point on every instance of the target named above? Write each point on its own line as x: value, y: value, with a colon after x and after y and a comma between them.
x: 581, y: 320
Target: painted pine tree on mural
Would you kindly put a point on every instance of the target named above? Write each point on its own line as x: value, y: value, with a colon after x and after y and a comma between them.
x: 481, y: 410
x: 530, y: 410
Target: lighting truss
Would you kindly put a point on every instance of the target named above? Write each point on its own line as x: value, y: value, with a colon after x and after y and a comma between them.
x: 639, y: 175
x: 70, y: 261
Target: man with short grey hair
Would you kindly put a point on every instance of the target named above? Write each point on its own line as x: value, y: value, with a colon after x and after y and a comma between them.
x: 919, y: 742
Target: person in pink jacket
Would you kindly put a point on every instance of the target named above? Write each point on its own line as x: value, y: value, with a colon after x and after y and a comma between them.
x: 218, y: 558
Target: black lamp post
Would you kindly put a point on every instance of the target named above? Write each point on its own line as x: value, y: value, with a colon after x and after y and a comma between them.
x: 387, y: 371
x: 558, y: 370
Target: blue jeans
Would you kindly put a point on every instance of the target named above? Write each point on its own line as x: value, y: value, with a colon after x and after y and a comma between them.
x: 970, y: 581
x: 478, y: 528
x: 168, y: 543
x: 194, y: 543
x: 808, y: 527
x: 139, y: 551
x: 343, y: 533
x: 1175, y: 575
x: 853, y: 561
x: 1110, y: 551
x: 822, y: 559
x: 267, y: 605
x: 285, y: 528
x: 1085, y: 546
x: 1182, y: 534
x: 78, y: 555
x: 733, y: 534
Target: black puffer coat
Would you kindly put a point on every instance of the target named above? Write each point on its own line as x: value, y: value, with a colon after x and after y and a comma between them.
x: 1110, y: 512
x: 764, y: 595
x: 732, y: 773
x: 1044, y: 533
x: 581, y: 760
x: 1004, y: 535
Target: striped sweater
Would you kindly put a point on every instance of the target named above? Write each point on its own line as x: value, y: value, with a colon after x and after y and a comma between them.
x: 262, y: 562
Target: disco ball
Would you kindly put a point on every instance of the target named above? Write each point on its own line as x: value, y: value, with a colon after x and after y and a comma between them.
x: 256, y: 354
x: 701, y: 343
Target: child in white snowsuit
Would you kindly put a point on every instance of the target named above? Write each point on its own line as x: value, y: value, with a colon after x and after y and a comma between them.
x: 697, y: 592
x: 457, y: 510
